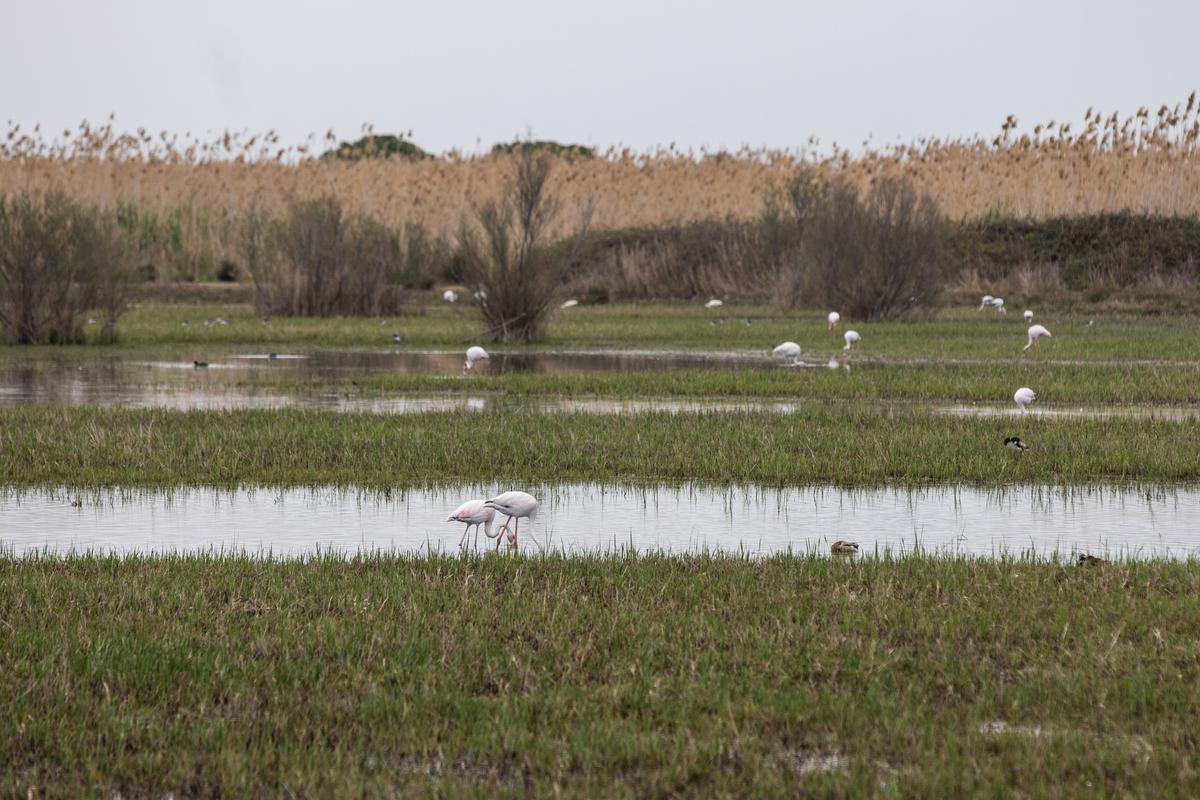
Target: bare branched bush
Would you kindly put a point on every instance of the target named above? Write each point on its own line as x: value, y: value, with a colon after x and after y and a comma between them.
x: 871, y: 256
x: 502, y: 253
x: 320, y: 261
x: 58, y: 259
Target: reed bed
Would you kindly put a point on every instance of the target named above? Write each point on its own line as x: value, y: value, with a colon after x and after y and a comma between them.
x: 1146, y: 162
x: 859, y: 446
x: 682, y: 676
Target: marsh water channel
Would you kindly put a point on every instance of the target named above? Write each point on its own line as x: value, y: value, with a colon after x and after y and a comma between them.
x: 249, y: 380
x: 593, y: 518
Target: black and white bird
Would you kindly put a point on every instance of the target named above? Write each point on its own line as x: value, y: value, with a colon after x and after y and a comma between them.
x: 1015, y: 443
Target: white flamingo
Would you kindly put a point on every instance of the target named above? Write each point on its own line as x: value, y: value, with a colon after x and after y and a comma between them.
x: 1023, y: 397
x: 474, y: 513
x: 998, y: 304
x: 515, y: 506
x: 570, y: 304
x: 450, y: 296
x: 475, y: 355
x: 987, y: 301
x: 1035, y: 332
x: 1028, y: 315
x: 834, y: 318
x: 788, y: 350
x: 852, y: 338
x: 714, y: 303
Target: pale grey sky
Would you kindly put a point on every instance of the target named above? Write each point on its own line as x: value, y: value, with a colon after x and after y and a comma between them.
x: 467, y: 73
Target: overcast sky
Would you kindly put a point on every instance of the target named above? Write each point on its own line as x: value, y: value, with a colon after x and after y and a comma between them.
x: 467, y: 73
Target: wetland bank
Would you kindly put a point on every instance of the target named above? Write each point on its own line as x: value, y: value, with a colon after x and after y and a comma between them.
x: 175, y: 575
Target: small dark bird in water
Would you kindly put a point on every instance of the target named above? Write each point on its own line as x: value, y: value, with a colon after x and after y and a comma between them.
x: 1089, y: 560
x: 272, y: 355
x: 199, y: 364
x: 1015, y: 443
x: 844, y: 548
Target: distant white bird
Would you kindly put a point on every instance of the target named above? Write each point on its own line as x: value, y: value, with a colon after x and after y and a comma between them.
x: 1035, y: 332
x: 474, y: 513
x: 833, y: 363
x: 834, y: 318
x: 987, y: 301
x: 852, y: 338
x: 570, y: 304
x: 998, y: 304
x: 1028, y: 315
x: 714, y: 303
x: 475, y: 355
x: 449, y: 296
x: 1023, y: 397
x: 513, y: 505
x: 788, y: 350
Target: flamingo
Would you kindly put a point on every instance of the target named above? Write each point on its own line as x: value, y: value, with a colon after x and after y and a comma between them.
x: 851, y: 338
x: 1028, y: 315
x: 570, y: 304
x: 714, y: 303
x: 1035, y: 332
x: 987, y: 301
x: 449, y: 296
x: 475, y: 355
x: 834, y: 318
x: 788, y: 350
x: 513, y: 505
x: 474, y: 513
x: 1023, y: 397
x: 998, y: 304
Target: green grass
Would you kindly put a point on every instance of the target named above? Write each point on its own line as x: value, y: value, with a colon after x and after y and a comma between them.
x: 960, y: 333
x: 1076, y: 385
x: 855, y: 446
x: 693, y: 676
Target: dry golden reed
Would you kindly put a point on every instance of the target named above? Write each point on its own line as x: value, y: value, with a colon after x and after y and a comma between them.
x: 1146, y: 162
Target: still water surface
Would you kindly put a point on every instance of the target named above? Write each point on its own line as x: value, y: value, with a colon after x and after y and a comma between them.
x: 580, y: 518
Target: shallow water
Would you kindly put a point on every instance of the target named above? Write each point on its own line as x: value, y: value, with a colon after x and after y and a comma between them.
x: 228, y: 383
x: 582, y: 518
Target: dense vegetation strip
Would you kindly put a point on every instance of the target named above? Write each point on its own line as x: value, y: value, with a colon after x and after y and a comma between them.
x: 659, y: 676
x: 1076, y: 384
x: 846, y: 446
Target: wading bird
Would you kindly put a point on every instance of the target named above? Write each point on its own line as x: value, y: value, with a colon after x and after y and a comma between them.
x: 1028, y: 315
x: 714, y: 303
x: 449, y: 296
x: 852, y: 338
x: 998, y: 304
x: 834, y: 318
x: 474, y: 513
x: 475, y: 355
x: 841, y: 548
x: 513, y: 505
x: 1035, y: 332
x: 570, y: 304
x: 1015, y: 443
x: 788, y: 350
x: 1023, y: 397
x: 985, y: 302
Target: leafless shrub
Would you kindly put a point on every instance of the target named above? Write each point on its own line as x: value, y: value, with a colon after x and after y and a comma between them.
x: 503, y: 256
x: 58, y: 259
x: 319, y: 261
x: 870, y: 255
